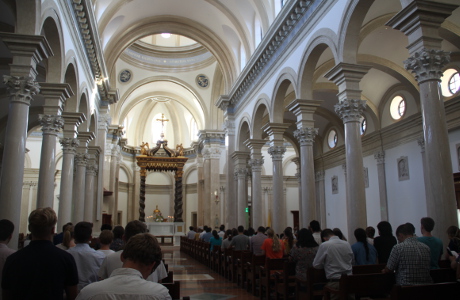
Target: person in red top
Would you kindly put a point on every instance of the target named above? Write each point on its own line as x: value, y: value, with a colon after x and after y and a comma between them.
x: 272, y: 247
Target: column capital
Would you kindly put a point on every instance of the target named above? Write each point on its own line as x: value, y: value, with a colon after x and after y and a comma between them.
x: 427, y: 64
x: 71, y: 122
x: 319, y: 176
x: 81, y: 159
x: 347, y: 77
x: 380, y: 157
x: 51, y: 124
x: 350, y: 110
x: 229, y: 127
x: 256, y: 164
x: 306, y: 136
x: 55, y: 95
x: 224, y: 103
x: 103, y: 122
x: 69, y: 145
x: 92, y: 168
x: 117, y: 132
x: 421, y: 143
x: 209, y: 137
x: 296, y: 160
x: 21, y: 89
x: 241, y: 173
x: 277, y: 152
x: 304, y: 110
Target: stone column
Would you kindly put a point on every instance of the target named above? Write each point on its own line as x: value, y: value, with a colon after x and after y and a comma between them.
x: 103, y: 123
x: 419, y: 22
x: 240, y: 159
x: 200, y: 185
x: 214, y: 185
x: 380, y: 157
x: 350, y: 109
x: 321, y: 198
x: 81, y: 161
x: 256, y: 162
x: 207, y: 187
x: 276, y: 151
x: 298, y: 175
x: 116, y: 132
x: 92, y: 169
x: 426, y: 174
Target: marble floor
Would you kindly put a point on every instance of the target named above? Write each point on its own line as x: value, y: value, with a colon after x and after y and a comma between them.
x: 198, y: 281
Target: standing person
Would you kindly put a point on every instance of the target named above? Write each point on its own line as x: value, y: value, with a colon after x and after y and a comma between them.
x: 240, y: 242
x: 257, y: 241
x: 410, y: 259
x: 118, y: 242
x: 215, y: 240
x: 370, y: 232
x: 288, y: 240
x: 58, y: 238
x: 384, y: 242
x: 335, y: 257
x: 69, y: 239
x: 303, y: 253
x: 40, y: 270
x: 272, y: 246
x: 435, y: 244
x: 453, y: 234
x: 6, y: 233
x: 364, y: 253
x: 106, y: 238
x: 339, y: 233
x: 316, y: 231
x: 87, y: 259
x: 191, y: 233
x: 140, y: 257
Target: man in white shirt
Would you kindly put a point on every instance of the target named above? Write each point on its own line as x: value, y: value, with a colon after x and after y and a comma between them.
x: 335, y: 257
x: 221, y: 232
x: 113, y: 261
x: 191, y: 233
x: 141, y: 256
x: 87, y: 259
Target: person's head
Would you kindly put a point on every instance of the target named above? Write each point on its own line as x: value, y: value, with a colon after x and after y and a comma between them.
x: 82, y: 232
x: 191, y: 228
x: 118, y: 232
x: 42, y: 222
x: 314, y: 225
x: 222, y: 227
x: 205, y: 228
x: 251, y: 231
x: 64, y: 227
x: 360, y: 235
x: 261, y: 229
x: 326, y: 234
x: 68, y: 236
x: 144, y: 252
x: 453, y: 232
x: 106, y: 237
x: 370, y: 232
x: 240, y: 229
x: 208, y: 229
x: 411, y: 227
x: 305, y: 239
x: 384, y: 228
x: 215, y: 235
x: 404, y: 231
x: 106, y: 227
x: 270, y: 233
x: 133, y: 228
x: 228, y: 234
x: 427, y: 224
x: 339, y: 233
x: 6, y: 230
x: 276, y: 247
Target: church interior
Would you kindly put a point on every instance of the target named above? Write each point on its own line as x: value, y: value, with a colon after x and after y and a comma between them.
x: 235, y: 112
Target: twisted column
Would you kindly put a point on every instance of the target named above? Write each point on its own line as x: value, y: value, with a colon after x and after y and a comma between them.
x: 51, y: 125
x: 178, y: 211
x: 142, y: 196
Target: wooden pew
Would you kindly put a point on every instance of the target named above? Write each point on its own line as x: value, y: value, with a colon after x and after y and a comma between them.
x: 377, y: 284
x: 448, y: 290
x: 252, y: 272
x: 316, y: 279
x: 285, y: 281
x: 215, y: 257
x: 227, y: 267
x: 368, y: 269
x: 443, y: 275
x: 242, y: 266
x: 169, y: 278
x: 174, y: 289
x: 266, y: 279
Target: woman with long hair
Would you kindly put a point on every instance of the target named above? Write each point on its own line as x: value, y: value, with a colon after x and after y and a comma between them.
x: 303, y: 253
x: 384, y: 242
x: 364, y: 253
x: 68, y: 240
x: 453, y: 234
x: 339, y: 233
x: 288, y: 240
x: 272, y: 246
x: 215, y: 240
x: 227, y: 239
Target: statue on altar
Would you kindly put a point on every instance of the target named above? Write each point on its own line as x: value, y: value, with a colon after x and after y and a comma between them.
x: 144, y: 148
x: 157, y: 216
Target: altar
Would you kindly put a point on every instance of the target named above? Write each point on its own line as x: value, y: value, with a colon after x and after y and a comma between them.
x: 167, y: 229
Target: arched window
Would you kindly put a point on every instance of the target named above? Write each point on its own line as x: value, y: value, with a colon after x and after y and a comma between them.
x: 454, y: 83
x: 363, y: 125
x: 397, y: 107
x: 332, y: 138
x: 450, y: 82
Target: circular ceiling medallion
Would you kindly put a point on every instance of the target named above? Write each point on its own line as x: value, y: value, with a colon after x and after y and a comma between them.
x: 125, y: 76
x: 202, y: 81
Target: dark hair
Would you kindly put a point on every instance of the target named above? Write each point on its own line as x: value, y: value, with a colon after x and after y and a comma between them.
x: 384, y: 228
x: 68, y: 235
x: 106, y: 227
x: 83, y: 231
x: 339, y: 233
x: 326, y: 233
x: 360, y: 235
x: 106, y: 237
x: 405, y: 229
x: 42, y: 222
x: 289, y: 235
x: 208, y: 229
x: 305, y: 239
x: 133, y: 228
x: 411, y: 227
x: 370, y: 232
x: 261, y: 229
x: 143, y: 248
x: 215, y: 235
x: 427, y: 223
x: 228, y: 234
x: 241, y: 228
x: 65, y: 225
x: 191, y: 228
x: 234, y: 233
x: 6, y: 229
x: 222, y: 227
x: 251, y: 231
x: 314, y: 225
x: 118, y: 232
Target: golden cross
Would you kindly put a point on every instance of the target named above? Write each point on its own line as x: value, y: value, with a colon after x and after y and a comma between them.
x: 162, y: 120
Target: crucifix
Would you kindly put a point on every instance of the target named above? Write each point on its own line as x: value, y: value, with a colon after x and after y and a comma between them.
x: 162, y: 120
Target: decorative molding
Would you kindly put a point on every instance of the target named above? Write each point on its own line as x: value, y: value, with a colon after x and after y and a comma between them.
x: 92, y: 168
x: 277, y: 152
x: 366, y: 177
x: 21, y: 89
x: 69, y: 145
x: 81, y: 159
x: 380, y: 157
x: 319, y: 176
x: 350, y: 110
x: 427, y: 64
x: 421, y: 143
x: 335, y: 184
x: 229, y: 126
x: 256, y: 164
x: 103, y: 122
x: 51, y: 124
x: 306, y: 136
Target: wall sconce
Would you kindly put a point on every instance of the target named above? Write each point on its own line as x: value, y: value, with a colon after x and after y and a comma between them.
x: 217, y: 196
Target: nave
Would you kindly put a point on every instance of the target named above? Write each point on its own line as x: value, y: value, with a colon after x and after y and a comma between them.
x: 198, y: 281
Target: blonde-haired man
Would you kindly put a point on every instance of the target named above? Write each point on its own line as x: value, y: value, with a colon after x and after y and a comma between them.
x: 40, y: 270
x: 141, y: 256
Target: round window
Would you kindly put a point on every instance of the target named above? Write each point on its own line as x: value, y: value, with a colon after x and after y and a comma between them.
x: 454, y: 83
x: 332, y: 138
x: 450, y: 82
x: 397, y: 107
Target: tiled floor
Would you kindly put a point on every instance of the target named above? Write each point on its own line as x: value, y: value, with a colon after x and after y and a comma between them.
x: 200, y: 282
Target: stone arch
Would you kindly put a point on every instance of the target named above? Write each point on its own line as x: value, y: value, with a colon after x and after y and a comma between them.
x: 8, y: 9
x: 323, y: 39
x: 52, y: 30
x: 28, y: 17
x: 187, y: 173
x: 128, y: 172
x: 70, y: 77
x: 287, y: 78
x: 260, y: 108
x: 84, y: 107
x: 181, y: 26
x: 244, y: 133
x: 93, y: 128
